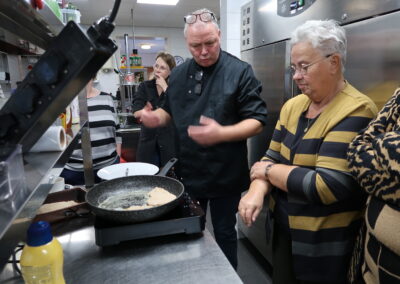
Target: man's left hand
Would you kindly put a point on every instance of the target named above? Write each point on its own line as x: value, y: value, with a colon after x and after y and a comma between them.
x: 207, y: 133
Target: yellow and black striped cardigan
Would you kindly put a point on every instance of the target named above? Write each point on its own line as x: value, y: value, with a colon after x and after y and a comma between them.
x: 323, y: 201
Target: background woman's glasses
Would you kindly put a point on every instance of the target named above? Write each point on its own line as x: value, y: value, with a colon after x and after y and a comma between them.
x: 160, y: 67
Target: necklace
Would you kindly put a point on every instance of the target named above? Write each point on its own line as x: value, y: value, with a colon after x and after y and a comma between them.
x: 308, y: 125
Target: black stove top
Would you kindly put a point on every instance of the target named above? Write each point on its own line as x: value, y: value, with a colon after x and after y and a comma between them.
x: 188, y: 217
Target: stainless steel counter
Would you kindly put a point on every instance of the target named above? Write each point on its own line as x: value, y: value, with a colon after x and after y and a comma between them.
x: 169, y: 259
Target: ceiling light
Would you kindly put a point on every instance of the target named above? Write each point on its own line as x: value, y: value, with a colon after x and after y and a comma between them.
x: 158, y: 2
x: 145, y: 46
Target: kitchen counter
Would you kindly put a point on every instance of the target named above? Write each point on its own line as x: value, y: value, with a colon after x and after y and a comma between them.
x: 169, y: 259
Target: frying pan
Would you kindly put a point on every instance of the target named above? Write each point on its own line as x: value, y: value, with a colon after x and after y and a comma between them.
x: 136, y: 185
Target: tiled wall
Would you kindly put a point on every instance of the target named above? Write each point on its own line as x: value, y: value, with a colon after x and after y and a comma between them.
x: 230, y: 13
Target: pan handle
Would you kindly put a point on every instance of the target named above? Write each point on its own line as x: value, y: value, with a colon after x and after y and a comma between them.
x: 167, y: 167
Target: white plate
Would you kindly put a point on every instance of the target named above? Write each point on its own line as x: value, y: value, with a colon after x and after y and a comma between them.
x: 134, y: 169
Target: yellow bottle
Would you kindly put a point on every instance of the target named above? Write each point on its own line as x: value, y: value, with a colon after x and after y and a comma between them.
x: 42, y: 257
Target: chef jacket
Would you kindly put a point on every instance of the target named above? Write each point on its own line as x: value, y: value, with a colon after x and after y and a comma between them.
x: 229, y: 94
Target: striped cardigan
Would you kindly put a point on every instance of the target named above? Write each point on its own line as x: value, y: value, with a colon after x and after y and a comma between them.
x: 374, y: 159
x: 324, y: 202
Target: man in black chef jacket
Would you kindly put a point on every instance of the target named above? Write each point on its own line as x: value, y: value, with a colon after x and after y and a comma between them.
x: 214, y: 102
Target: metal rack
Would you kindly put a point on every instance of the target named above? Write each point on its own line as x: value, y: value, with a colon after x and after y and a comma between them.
x: 36, y: 26
x: 127, y: 77
x: 40, y: 169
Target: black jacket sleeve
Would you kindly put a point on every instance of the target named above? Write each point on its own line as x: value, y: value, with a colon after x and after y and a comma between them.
x: 140, y: 98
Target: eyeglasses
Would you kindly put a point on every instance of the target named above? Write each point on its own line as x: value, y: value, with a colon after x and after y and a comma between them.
x: 303, y: 68
x: 204, y: 17
x: 161, y: 67
x: 198, y: 76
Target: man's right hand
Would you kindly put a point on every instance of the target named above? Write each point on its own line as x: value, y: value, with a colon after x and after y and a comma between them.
x: 148, y: 117
x: 152, y: 119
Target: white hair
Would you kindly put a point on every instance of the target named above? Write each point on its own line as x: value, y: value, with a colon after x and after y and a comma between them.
x: 197, y: 12
x: 325, y: 35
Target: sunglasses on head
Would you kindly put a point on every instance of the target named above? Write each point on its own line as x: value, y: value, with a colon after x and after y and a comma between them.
x: 204, y: 17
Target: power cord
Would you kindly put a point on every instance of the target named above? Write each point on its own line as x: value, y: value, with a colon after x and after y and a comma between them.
x: 14, y: 261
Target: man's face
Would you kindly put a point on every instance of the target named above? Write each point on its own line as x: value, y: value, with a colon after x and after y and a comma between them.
x: 203, y: 40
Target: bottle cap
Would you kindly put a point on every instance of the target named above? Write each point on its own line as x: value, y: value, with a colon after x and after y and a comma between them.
x: 134, y: 51
x: 39, y: 233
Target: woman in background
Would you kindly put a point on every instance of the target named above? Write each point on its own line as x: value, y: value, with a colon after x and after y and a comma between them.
x: 156, y: 145
x: 374, y: 160
x: 105, y: 141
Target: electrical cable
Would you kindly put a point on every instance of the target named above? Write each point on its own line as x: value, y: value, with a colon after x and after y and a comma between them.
x: 114, y: 11
x: 14, y: 260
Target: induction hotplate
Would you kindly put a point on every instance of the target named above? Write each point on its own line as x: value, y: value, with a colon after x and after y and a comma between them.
x: 187, y: 218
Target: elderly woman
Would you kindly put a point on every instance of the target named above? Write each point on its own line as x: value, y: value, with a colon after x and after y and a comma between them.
x: 375, y: 162
x: 316, y: 203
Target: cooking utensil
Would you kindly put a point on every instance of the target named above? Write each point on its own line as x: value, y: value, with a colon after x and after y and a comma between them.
x: 127, y: 169
x: 135, y: 185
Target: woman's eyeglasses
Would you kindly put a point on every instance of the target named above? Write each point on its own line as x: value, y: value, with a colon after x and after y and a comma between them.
x: 204, y: 17
x: 198, y: 76
x: 160, y: 67
x: 303, y: 68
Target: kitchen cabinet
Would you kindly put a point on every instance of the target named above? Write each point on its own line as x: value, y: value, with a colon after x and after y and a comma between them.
x: 40, y: 169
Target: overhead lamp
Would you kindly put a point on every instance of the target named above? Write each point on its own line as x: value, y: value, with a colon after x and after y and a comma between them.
x: 158, y: 2
x: 269, y: 7
x: 145, y: 46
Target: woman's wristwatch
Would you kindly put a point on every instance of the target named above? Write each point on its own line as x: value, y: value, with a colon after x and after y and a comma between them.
x: 267, y: 169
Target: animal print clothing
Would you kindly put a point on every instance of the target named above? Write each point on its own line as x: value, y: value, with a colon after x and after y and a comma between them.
x: 374, y: 160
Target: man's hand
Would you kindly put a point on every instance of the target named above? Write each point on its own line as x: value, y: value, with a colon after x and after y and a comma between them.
x: 209, y: 132
x: 148, y: 117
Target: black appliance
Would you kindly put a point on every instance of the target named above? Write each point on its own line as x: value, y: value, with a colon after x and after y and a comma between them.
x: 188, y: 218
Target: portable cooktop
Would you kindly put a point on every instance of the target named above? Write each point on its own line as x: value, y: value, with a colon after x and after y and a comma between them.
x: 187, y: 217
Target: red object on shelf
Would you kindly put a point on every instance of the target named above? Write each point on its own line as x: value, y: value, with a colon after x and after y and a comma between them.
x: 121, y: 160
x: 37, y: 4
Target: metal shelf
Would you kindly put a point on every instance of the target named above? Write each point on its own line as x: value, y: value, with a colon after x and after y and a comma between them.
x: 16, y: 213
x: 130, y: 84
x: 36, y: 26
x: 138, y: 69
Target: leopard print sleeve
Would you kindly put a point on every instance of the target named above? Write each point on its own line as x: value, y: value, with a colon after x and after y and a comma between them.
x: 374, y: 156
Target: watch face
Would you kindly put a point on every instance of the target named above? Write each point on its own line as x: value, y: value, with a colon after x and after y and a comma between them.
x: 178, y: 60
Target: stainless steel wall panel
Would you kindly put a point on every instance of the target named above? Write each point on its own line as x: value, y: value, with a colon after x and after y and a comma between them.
x: 270, y: 64
x: 373, y: 56
x: 270, y: 27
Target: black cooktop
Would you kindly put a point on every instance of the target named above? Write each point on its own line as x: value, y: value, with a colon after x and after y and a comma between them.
x: 188, y: 218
